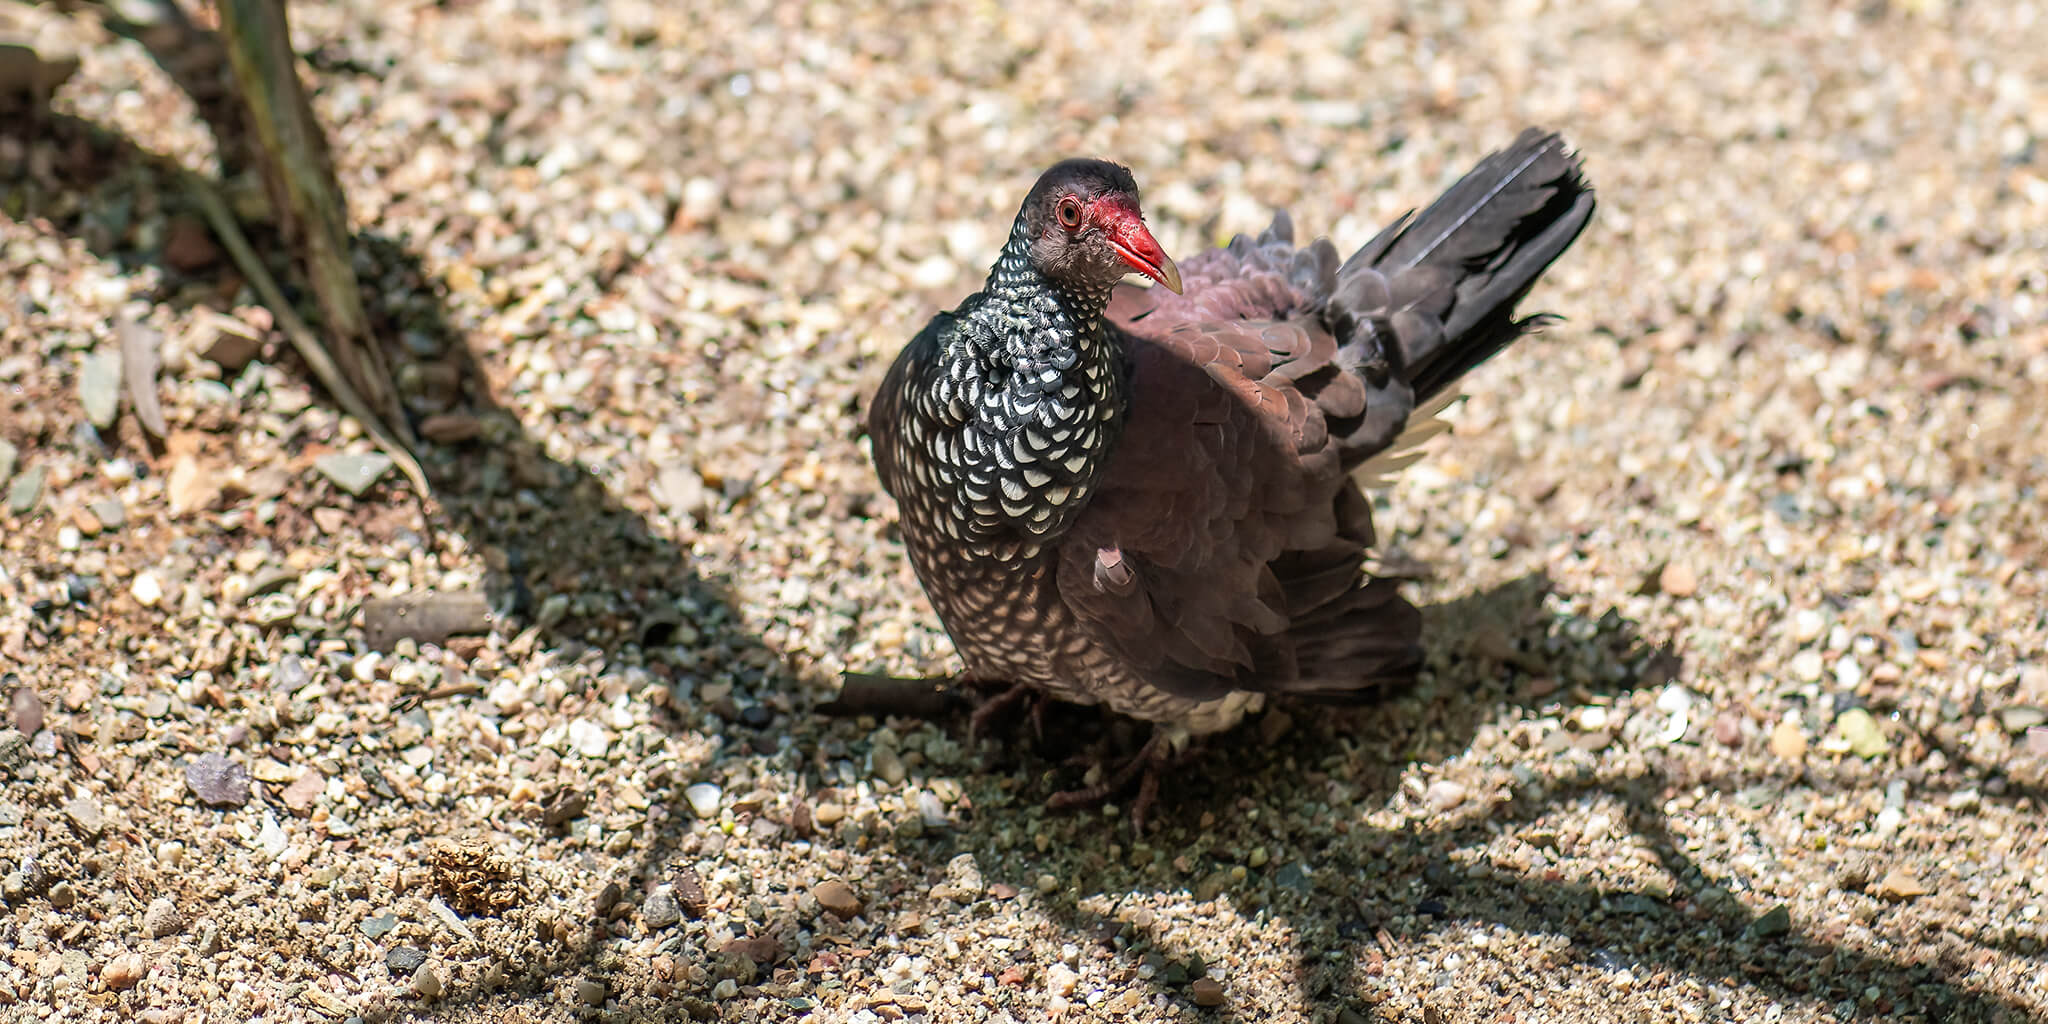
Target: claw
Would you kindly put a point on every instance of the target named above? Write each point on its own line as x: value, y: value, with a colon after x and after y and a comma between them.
x: 996, y: 705
x: 1146, y: 765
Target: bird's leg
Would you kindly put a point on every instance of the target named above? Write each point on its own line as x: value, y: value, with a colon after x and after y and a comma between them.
x: 993, y: 707
x: 1154, y: 757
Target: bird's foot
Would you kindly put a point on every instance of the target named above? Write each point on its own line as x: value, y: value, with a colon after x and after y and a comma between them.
x: 1153, y: 759
x: 994, y: 707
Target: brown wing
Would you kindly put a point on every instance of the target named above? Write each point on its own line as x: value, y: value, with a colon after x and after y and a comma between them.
x: 1223, y: 550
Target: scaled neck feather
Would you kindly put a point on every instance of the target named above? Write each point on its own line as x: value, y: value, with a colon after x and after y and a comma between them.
x: 1031, y: 384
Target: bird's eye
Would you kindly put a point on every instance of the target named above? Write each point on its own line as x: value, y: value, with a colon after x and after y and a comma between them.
x: 1070, y: 212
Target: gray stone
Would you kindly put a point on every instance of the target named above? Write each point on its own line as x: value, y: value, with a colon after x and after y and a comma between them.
x: 217, y: 781
x: 403, y: 961
x: 110, y: 512
x: 426, y: 982
x: 99, y: 387
x: 660, y: 909
x: 1771, y: 923
x: 162, y: 918
x: 86, y: 816
x: 352, y: 472
x: 26, y: 490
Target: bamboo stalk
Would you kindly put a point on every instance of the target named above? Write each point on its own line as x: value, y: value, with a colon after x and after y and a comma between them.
x: 307, y: 200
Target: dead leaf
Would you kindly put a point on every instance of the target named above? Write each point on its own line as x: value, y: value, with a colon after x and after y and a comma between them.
x: 141, y: 356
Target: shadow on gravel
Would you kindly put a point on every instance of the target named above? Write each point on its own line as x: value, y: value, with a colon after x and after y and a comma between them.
x: 566, y: 560
x: 1346, y: 893
x: 546, y: 528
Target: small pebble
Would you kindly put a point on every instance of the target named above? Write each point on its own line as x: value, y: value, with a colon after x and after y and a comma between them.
x: 99, y: 386
x: 217, y: 781
x: 426, y: 982
x: 1443, y: 795
x: 963, y: 879
x: 1900, y: 885
x: 1678, y: 580
x: 836, y: 897
x: 1866, y: 740
x: 26, y: 707
x: 26, y: 490
x: 1773, y: 922
x: 404, y: 961
x: 931, y: 810
x: 353, y: 472
x: 1728, y: 729
x: 704, y: 798
x: 1207, y: 992
x: 14, y: 750
x: 1788, y: 742
x: 379, y: 926
x: 2018, y: 718
x: 147, y: 589
x: 451, y: 428
x: 591, y: 991
x: 887, y: 765
x: 660, y: 909
x: 589, y: 738
x: 299, y: 796
x: 123, y: 972
x: 162, y: 918
x: 1807, y: 666
x: 1060, y: 980
x: 85, y: 816
x: 565, y: 807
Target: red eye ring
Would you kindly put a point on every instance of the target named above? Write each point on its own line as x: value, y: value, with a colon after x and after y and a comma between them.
x: 1070, y: 212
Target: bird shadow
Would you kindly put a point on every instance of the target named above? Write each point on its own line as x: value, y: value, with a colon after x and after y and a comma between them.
x: 1260, y: 828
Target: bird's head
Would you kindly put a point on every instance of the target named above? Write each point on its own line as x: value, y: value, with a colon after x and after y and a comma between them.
x: 1086, y: 231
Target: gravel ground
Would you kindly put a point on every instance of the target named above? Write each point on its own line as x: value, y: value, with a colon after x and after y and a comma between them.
x: 1735, y: 705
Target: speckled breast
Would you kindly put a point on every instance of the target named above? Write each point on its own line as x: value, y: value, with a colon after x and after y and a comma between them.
x: 1010, y: 626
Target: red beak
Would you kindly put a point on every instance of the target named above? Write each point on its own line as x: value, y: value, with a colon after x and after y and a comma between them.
x: 1128, y: 235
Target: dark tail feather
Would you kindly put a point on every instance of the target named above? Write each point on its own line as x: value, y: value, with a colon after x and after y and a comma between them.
x: 1365, y: 641
x: 1445, y: 283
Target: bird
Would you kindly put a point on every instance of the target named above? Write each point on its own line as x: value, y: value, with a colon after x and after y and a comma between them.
x: 1153, y: 497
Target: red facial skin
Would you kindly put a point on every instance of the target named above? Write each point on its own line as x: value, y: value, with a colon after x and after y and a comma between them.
x: 1125, y: 229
